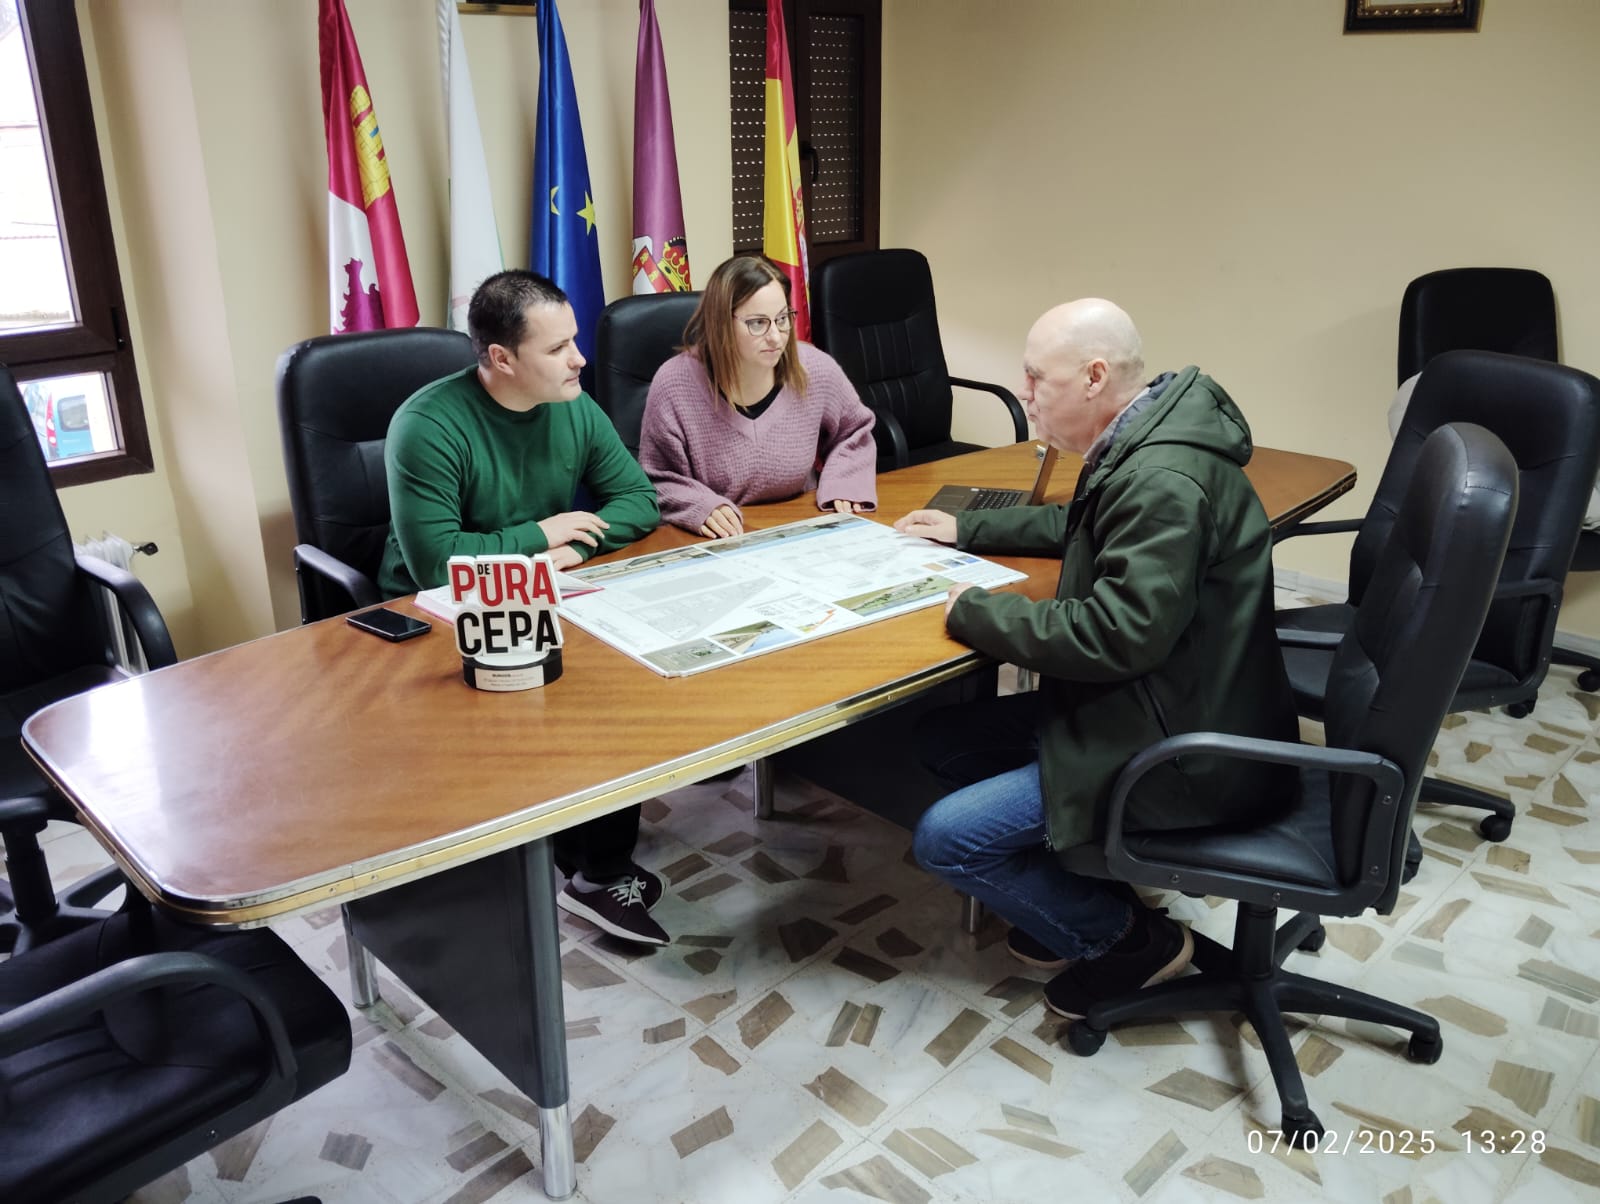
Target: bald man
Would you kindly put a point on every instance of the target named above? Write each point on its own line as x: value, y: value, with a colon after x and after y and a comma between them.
x: 1161, y: 623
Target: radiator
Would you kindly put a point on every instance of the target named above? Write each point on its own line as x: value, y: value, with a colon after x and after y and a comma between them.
x: 120, y: 636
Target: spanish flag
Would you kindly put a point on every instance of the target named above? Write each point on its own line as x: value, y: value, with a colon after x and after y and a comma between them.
x: 369, y: 276
x: 783, y: 236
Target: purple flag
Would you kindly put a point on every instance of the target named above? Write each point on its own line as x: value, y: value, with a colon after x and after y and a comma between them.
x: 660, y: 251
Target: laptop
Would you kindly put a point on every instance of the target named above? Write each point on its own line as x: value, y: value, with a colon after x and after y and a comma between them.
x: 954, y: 498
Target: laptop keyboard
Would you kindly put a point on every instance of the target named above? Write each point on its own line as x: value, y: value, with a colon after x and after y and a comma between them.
x: 995, y: 499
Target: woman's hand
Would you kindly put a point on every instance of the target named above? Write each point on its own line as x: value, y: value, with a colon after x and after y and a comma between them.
x: 722, y: 522
x: 844, y: 507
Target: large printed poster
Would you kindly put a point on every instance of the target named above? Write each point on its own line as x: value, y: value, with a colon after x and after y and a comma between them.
x: 700, y: 607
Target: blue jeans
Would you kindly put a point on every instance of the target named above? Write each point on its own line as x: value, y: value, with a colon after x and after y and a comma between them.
x: 988, y: 838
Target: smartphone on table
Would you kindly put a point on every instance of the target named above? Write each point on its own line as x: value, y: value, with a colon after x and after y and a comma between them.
x: 389, y: 624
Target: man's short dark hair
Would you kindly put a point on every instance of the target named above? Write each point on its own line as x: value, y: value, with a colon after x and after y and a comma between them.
x: 499, y: 307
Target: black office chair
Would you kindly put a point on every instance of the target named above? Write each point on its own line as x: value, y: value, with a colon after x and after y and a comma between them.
x: 1549, y: 417
x: 130, y: 1047
x: 1336, y: 847
x: 55, y: 641
x: 1492, y: 309
x: 336, y: 395
x: 874, y: 313
x: 1511, y: 310
x: 633, y: 338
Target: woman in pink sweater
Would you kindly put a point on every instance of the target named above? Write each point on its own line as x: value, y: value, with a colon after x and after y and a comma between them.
x: 747, y: 414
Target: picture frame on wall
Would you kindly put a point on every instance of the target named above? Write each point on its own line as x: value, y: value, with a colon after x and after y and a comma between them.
x: 1382, y: 16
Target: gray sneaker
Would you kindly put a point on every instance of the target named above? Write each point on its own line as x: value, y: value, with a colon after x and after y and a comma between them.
x: 618, y: 909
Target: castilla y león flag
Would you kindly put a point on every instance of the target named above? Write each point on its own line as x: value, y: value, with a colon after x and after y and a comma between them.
x: 369, y: 279
x: 660, y: 250
x: 783, y: 235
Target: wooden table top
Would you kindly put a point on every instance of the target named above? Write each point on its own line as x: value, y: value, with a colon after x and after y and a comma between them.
x: 321, y: 763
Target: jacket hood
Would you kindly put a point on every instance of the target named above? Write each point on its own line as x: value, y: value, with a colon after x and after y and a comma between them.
x: 1192, y: 411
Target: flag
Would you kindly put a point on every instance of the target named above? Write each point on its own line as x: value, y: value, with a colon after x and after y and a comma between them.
x: 783, y: 234
x: 562, y: 243
x: 369, y: 279
x: 474, y: 241
x: 660, y: 250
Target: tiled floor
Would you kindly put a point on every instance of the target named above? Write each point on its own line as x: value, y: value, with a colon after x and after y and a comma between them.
x: 821, y: 1030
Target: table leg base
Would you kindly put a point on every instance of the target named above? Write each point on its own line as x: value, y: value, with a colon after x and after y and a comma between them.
x: 560, y: 1169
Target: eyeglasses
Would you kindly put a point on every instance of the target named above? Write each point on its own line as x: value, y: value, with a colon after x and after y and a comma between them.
x: 757, y: 325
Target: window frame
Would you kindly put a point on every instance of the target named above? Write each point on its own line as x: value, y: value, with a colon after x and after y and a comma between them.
x: 797, y: 13
x: 98, y: 340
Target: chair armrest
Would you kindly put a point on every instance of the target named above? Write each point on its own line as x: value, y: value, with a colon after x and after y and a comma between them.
x: 1549, y: 592
x: 890, y: 437
x: 1382, y: 844
x: 1019, y: 420
x: 74, y: 1003
x: 31, y: 809
x: 1537, y: 587
x: 1337, y: 526
x: 356, y: 585
x: 1288, y: 637
x: 135, y: 601
x: 1382, y: 772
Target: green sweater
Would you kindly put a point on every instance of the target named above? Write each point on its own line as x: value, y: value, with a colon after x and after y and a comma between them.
x: 468, y: 477
x: 1161, y: 623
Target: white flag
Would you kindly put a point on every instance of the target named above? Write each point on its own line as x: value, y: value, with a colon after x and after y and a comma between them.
x: 474, y: 240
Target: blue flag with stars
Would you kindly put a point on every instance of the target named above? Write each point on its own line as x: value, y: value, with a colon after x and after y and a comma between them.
x: 563, y: 244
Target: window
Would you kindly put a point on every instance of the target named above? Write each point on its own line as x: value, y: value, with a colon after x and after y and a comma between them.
x: 837, y: 98
x: 63, y: 329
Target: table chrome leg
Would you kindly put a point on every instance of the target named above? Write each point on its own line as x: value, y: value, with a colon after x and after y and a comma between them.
x: 363, y: 969
x: 559, y: 1167
x: 971, y: 915
x: 560, y: 1170
x: 763, y: 788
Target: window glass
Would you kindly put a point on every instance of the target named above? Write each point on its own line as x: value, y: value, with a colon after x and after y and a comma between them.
x: 34, y: 292
x: 71, y: 415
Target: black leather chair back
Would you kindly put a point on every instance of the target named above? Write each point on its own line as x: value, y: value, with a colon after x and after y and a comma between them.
x: 336, y: 395
x: 1512, y: 310
x: 1395, y: 672
x: 635, y: 336
x: 49, y: 623
x: 874, y: 313
x: 1548, y: 416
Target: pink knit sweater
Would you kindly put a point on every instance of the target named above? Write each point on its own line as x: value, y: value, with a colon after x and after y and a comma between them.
x: 702, y: 453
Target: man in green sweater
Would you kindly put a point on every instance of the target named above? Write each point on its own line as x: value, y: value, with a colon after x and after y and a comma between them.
x: 492, y: 460
x: 1161, y: 623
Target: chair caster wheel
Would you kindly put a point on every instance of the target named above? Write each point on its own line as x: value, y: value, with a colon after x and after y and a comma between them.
x: 1304, y: 1132
x: 1519, y: 710
x: 1494, y: 828
x: 1589, y: 681
x: 1083, y: 1040
x: 1425, y: 1048
x: 1314, y: 940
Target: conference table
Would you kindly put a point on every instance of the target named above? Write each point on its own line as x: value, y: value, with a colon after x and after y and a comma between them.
x: 321, y: 765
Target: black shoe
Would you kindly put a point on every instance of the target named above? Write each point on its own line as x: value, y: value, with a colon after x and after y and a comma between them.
x: 618, y: 909
x: 1034, y: 953
x: 650, y: 886
x: 1156, y: 948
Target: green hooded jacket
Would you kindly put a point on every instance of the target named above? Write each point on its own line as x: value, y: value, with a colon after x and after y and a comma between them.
x: 1161, y: 623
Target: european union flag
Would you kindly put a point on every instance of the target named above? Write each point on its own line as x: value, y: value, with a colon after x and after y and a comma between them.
x: 563, y: 245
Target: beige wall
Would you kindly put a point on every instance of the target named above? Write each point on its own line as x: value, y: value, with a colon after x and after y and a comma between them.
x: 1254, y: 186
x: 211, y: 124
